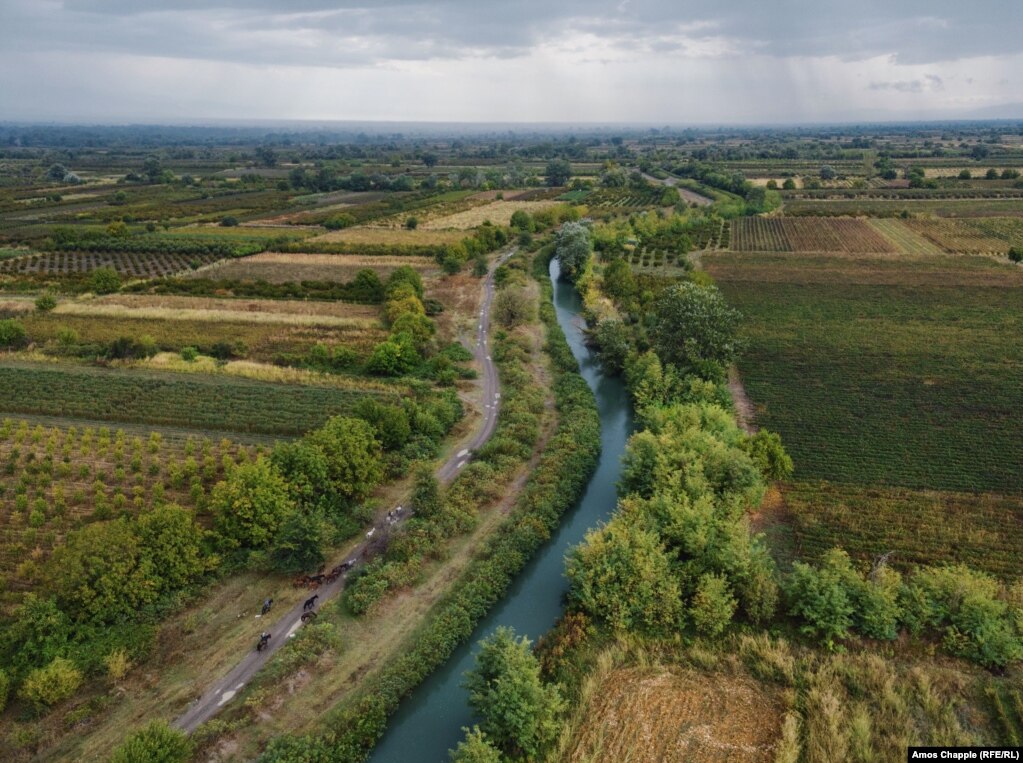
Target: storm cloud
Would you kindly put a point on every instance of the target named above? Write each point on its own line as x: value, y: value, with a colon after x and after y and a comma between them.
x: 670, y: 61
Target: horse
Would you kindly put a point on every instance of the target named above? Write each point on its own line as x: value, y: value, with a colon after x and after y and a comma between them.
x: 308, y: 617
x: 264, y: 638
x: 266, y: 606
x: 310, y: 603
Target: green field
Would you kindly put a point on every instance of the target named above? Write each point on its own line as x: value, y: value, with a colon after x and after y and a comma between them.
x: 187, y: 400
x: 889, y: 385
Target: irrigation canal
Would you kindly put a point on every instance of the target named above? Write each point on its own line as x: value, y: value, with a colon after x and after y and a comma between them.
x: 430, y: 721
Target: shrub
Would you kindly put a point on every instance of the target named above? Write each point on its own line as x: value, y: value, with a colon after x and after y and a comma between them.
x: 1015, y: 254
x: 45, y: 303
x: 52, y: 684
x: 12, y: 334
x: 5, y: 689
x: 156, y: 743
x: 189, y: 353
x: 104, y: 280
x: 229, y: 221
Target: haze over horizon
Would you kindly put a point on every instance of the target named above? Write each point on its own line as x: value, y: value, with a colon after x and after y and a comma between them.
x: 630, y: 61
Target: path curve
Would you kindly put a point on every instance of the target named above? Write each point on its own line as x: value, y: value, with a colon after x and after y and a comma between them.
x: 225, y: 689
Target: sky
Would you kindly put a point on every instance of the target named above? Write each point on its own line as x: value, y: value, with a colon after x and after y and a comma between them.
x: 664, y: 62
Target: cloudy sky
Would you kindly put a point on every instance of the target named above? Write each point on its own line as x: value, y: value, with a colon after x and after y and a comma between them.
x: 651, y: 61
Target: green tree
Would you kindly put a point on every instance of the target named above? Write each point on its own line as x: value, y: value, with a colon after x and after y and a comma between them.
x: 104, y: 280
x: 475, y: 748
x: 101, y: 573
x: 572, y: 247
x: 300, y: 545
x: 612, y: 338
x: 172, y: 545
x: 1015, y: 254
x: 305, y: 469
x: 250, y: 505
x: 519, y: 712
x: 824, y: 597
x: 354, y: 456
x: 521, y: 220
x: 426, y: 499
x: 513, y: 307
x: 47, y: 686
x: 828, y: 172
x: 5, y: 689
x: 695, y: 328
x: 619, y: 282
x: 713, y: 604
x: 558, y: 172
x: 156, y: 743
x: 39, y: 633
x: 390, y: 422
x: 404, y: 275
x: 789, y: 184
x: 769, y: 455
x: 621, y: 573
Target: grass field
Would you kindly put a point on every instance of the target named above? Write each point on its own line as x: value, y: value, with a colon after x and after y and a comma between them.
x: 903, y: 236
x: 779, y: 234
x: 497, y: 212
x: 221, y: 313
x: 275, y: 267
x: 901, y: 386
x: 253, y: 307
x: 171, y: 330
x: 392, y: 236
x: 185, y: 400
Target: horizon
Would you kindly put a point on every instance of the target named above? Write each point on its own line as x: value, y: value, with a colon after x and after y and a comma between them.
x: 634, y: 61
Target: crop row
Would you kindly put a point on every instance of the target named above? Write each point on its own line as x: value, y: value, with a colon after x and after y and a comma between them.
x: 193, y: 401
x: 890, y: 385
x: 776, y: 234
x: 126, y: 263
x: 976, y: 236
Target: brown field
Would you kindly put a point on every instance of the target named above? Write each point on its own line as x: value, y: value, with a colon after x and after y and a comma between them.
x: 879, y: 269
x: 392, y: 236
x: 282, y: 268
x: 497, y: 212
x: 277, y: 306
x: 806, y: 234
x: 676, y: 714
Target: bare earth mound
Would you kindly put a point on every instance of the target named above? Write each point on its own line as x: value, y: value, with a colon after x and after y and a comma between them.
x: 647, y: 714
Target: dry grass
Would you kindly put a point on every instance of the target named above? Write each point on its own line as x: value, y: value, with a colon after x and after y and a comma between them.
x: 250, y: 369
x: 267, y: 306
x: 276, y: 267
x: 216, y: 315
x: 423, y: 236
x: 497, y: 212
x: 674, y: 714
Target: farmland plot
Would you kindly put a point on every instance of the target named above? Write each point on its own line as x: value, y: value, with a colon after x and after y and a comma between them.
x: 901, y: 386
x: 131, y: 264
x: 497, y: 212
x: 58, y: 478
x: 778, y: 234
x: 275, y: 267
x: 184, y: 400
x: 992, y: 235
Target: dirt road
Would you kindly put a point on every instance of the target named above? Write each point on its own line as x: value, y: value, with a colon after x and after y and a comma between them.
x: 222, y: 691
